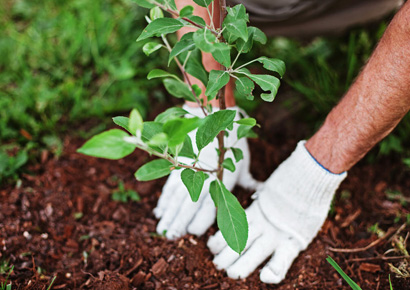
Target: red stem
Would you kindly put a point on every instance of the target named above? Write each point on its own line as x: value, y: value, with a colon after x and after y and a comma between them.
x: 221, y: 97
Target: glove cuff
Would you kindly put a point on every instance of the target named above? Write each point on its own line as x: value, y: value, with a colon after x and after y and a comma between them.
x: 302, y: 190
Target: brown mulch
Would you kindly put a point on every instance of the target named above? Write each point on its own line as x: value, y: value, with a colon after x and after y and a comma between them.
x: 63, y: 222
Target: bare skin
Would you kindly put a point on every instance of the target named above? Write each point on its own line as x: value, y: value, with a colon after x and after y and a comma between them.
x: 374, y: 104
x: 372, y: 107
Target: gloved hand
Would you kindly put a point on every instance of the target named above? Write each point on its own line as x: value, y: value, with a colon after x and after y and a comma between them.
x: 287, y: 214
x: 178, y: 214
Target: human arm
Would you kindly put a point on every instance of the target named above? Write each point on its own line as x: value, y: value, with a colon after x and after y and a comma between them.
x: 374, y: 104
x: 293, y: 204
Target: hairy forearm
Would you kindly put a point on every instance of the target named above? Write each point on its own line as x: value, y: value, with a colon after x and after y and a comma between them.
x: 373, y: 106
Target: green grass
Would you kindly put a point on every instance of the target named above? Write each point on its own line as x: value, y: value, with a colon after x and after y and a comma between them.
x: 63, y: 62
x: 348, y: 280
x: 5, y: 285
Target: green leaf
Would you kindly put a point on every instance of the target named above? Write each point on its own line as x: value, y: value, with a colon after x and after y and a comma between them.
x: 196, y: 68
x: 18, y: 161
x: 196, y: 19
x: 212, y: 125
x: 171, y: 113
x: 145, y: 3
x: 235, y: 23
x: 215, y: 192
x: 178, y: 89
x: 153, y: 170
x: 151, y: 129
x: 231, y: 217
x: 160, y: 26
x: 238, y: 28
x: 187, y: 149
x: 135, y: 122
x: 186, y: 11
x: 170, y: 3
x: 217, y: 80
x: 267, y: 83
x: 194, y: 182
x: 228, y: 164
x: 258, y: 35
x: 273, y: 64
x: 244, y: 86
x: 245, y: 131
x: 151, y: 47
x: 122, y: 122
x: 186, y: 43
x: 156, y: 13
x: 237, y: 12
x: 197, y: 90
x: 109, y: 144
x: 203, y: 3
x: 349, y: 281
x: 204, y: 39
x: 246, y: 121
x: 254, y: 34
x: 237, y: 154
x: 177, y: 129
x: 159, y: 140
x: 222, y: 54
x: 159, y: 73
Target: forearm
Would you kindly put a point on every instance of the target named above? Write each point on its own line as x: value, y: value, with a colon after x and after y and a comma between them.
x: 373, y: 106
x: 208, y: 61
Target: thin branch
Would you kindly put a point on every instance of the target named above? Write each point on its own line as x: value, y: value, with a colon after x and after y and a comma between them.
x: 236, y: 58
x: 211, y: 18
x: 186, y: 59
x: 196, y: 168
x: 371, y: 245
x: 384, y: 258
x: 168, y: 157
x: 248, y: 63
x: 185, y: 74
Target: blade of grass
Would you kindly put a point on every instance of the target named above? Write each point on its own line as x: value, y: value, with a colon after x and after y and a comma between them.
x: 391, y: 286
x: 51, y: 284
x: 6, y: 286
x: 343, y: 274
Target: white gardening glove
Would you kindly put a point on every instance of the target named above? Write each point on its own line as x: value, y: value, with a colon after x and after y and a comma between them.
x: 287, y: 214
x: 178, y: 214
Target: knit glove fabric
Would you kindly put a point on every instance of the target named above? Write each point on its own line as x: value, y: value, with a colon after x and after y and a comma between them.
x: 178, y: 214
x: 287, y: 214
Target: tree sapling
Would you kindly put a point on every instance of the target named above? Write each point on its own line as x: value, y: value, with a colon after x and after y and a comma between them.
x: 167, y: 137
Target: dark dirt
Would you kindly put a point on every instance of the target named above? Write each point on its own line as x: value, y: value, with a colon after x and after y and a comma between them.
x: 63, y: 222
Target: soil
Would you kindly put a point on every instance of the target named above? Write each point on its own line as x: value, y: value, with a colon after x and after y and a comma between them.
x: 63, y: 222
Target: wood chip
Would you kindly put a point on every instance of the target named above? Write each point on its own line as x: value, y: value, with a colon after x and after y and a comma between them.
x: 351, y: 218
x: 159, y: 267
x: 192, y: 241
x: 372, y: 268
x: 138, y: 279
x: 212, y: 286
